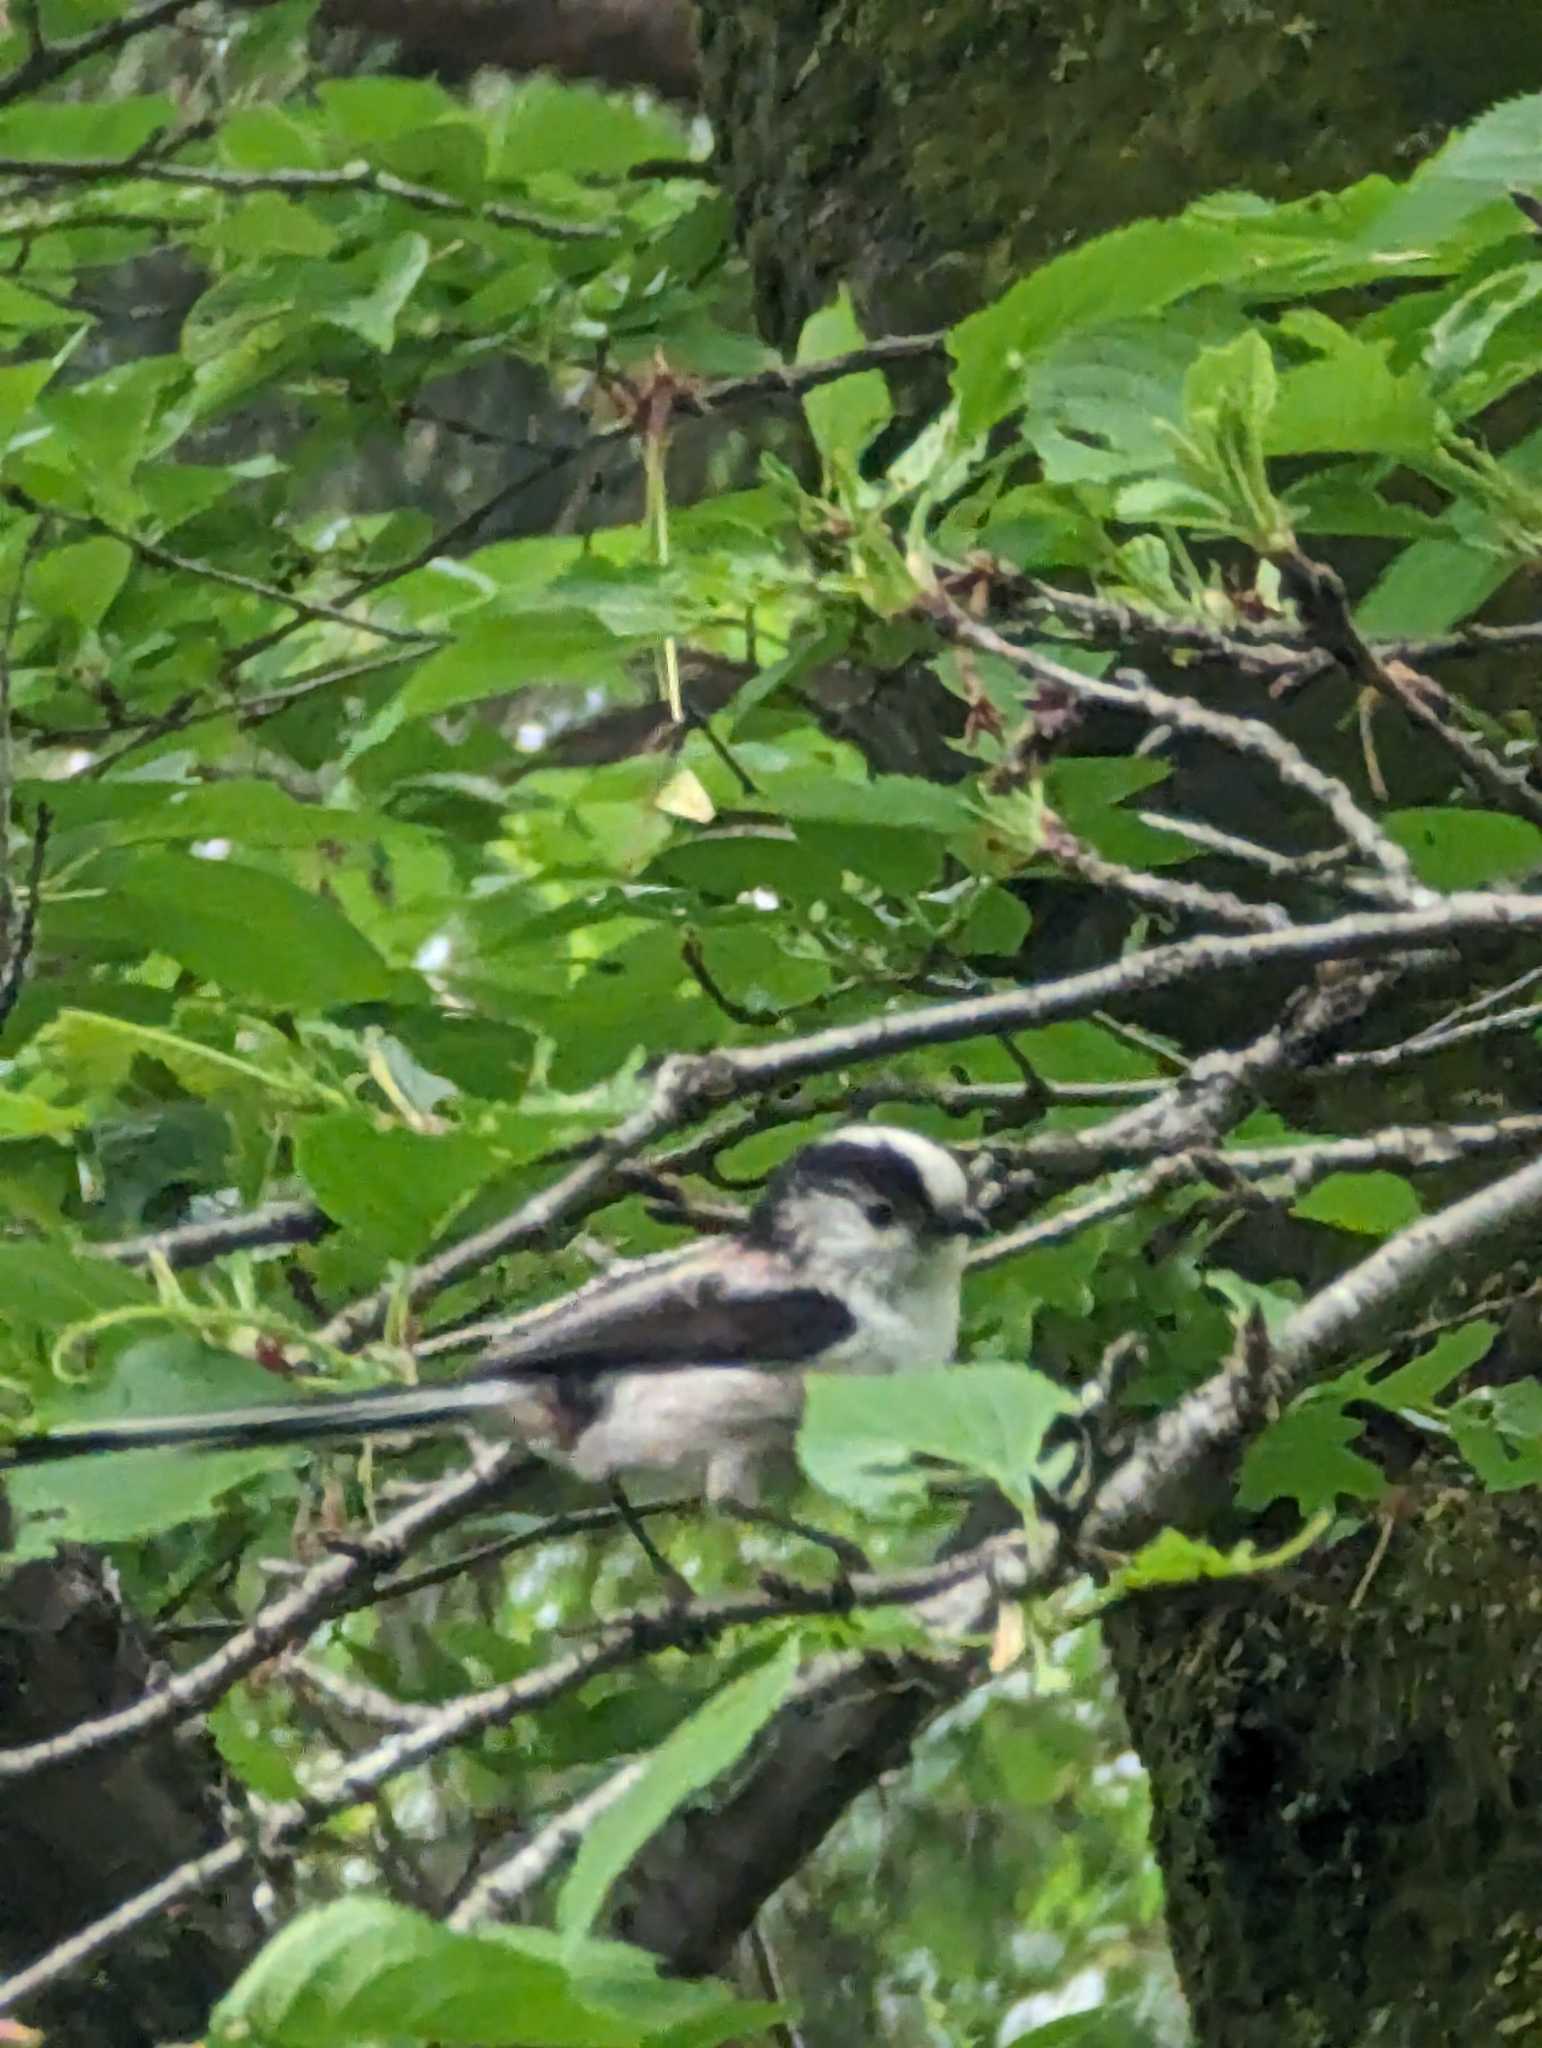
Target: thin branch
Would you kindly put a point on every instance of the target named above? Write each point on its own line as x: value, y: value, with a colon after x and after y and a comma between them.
x: 632, y: 1638
x: 1129, y: 691
x: 680, y: 1086
x: 20, y: 944
x: 317, y: 610
x: 1126, y: 1510
x: 491, y: 1897
x: 791, y: 380
x: 1168, y: 895
x: 1439, y: 1038
x: 1327, y: 865
x: 577, y: 1522
x: 708, y: 398
x: 999, y: 1098
x: 688, y: 1082
x: 199, y: 1244
x: 1362, y: 935
x: 1260, y: 652
x: 1276, y: 650
x: 357, y: 177
x: 351, y: 1696
x: 46, y: 62
x: 197, y: 1875
x: 1343, y: 1317
x: 1323, y: 602
x: 1064, y: 1224
x: 337, y: 1583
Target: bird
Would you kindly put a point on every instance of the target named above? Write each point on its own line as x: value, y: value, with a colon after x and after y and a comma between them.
x: 688, y: 1363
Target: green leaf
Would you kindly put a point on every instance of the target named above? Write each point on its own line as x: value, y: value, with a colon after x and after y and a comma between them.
x: 1416, y: 1384
x: 1174, y: 1559
x: 20, y: 386
x: 571, y: 128
x: 1476, y: 169
x: 1377, y: 1204
x: 1135, y: 270
x: 1462, y: 342
x: 78, y: 583
x: 1351, y: 401
x: 45, y: 1286
x: 30, y: 1116
x: 900, y: 803
x: 252, y: 932
x: 687, y: 1761
x: 1465, y: 849
x: 396, y: 1189
x: 380, y: 288
x: 1305, y: 1457
x: 99, y: 126
x: 1498, y: 1430
x: 990, y: 1419
x: 497, y: 655
x: 843, y: 417
x: 97, y: 1052
x: 361, y: 1969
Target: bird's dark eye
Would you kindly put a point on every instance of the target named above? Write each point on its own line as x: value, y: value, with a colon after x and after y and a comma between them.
x: 878, y: 1213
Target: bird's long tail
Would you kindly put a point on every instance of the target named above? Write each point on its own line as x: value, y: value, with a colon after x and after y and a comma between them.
x: 382, y: 1411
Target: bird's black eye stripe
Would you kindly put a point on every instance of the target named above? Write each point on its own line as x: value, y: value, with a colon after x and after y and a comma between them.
x: 878, y: 1213
x: 877, y: 1173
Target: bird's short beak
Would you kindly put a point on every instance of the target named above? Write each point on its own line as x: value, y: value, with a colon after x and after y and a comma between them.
x: 972, y: 1222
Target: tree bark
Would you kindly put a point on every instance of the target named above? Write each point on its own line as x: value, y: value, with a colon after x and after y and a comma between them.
x: 78, y: 1842
x: 614, y: 42
x: 1346, y: 1793
x: 928, y: 155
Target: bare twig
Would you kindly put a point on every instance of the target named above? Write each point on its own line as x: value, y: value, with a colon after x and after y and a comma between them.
x: 1168, y: 895
x: 357, y: 177
x: 1067, y: 1223
x: 1323, y: 602
x: 512, y: 1880
x: 1128, y: 690
x: 20, y: 943
x: 199, y: 1244
x: 45, y: 62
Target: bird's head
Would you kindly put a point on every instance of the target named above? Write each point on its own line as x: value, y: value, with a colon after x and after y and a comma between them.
x: 871, y: 1192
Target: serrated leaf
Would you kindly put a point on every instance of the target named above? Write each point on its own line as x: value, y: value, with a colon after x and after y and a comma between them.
x: 396, y: 1189
x: 858, y: 1436
x: 1416, y: 1384
x: 1498, y: 1430
x: 1305, y: 1457
x: 1135, y: 270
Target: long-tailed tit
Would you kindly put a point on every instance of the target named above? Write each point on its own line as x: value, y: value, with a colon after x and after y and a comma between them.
x: 689, y: 1363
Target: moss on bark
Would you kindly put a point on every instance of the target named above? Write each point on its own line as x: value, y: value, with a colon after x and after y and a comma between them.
x: 1347, y: 1795
x: 928, y: 154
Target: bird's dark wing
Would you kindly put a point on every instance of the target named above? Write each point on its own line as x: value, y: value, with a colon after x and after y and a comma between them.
x: 717, y: 1304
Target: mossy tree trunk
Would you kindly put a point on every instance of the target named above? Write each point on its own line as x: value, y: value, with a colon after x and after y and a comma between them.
x: 1345, y: 1776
